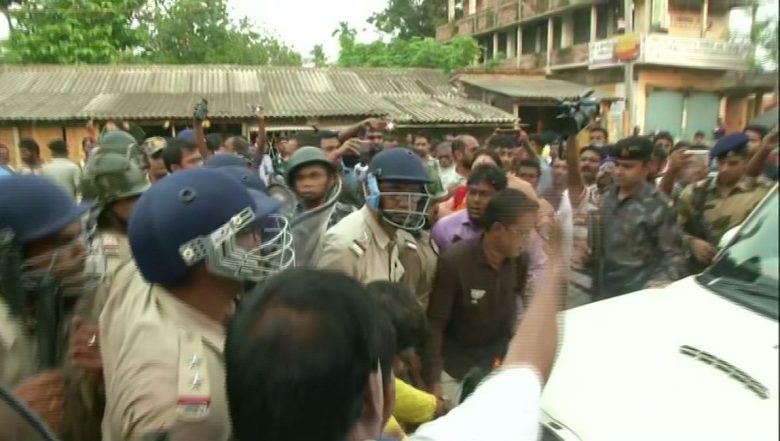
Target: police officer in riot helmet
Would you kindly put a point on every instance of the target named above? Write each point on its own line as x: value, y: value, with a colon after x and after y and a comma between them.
x: 197, y: 236
x: 113, y: 180
x: 42, y: 260
x: 363, y: 243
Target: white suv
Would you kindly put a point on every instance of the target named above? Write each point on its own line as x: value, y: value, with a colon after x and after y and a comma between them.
x: 696, y: 360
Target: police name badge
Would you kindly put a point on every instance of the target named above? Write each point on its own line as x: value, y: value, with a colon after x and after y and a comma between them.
x: 476, y: 295
x: 192, y: 408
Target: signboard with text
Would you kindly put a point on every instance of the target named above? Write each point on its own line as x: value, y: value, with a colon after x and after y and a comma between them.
x: 668, y: 50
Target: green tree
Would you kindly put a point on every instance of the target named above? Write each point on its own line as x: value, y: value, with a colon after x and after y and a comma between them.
x: 762, y: 34
x: 411, y: 18
x: 73, y: 31
x: 5, y: 8
x: 318, y: 56
x: 193, y: 31
x: 415, y: 52
x: 766, y: 42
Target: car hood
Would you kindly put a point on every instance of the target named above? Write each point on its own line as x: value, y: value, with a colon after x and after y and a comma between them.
x: 621, y: 375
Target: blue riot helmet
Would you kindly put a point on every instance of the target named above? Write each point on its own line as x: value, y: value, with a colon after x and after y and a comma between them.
x: 205, y: 216
x: 33, y: 208
x: 395, y: 187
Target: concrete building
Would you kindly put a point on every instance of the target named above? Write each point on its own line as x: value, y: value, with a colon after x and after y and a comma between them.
x: 687, y: 72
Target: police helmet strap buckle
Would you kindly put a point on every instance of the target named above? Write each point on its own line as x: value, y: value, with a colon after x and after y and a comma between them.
x: 372, y: 191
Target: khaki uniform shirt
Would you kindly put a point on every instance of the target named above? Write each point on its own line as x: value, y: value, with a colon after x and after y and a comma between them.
x: 720, y: 213
x: 163, y: 365
x: 17, y: 350
x: 85, y: 393
x: 419, y: 260
x: 115, y: 254
x: 360, y: 248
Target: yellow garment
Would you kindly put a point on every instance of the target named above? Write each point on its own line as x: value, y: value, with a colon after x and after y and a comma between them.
x: 394, y: 430
x: 412, y: 405
x: 545, y: 153
x: 583, y: 138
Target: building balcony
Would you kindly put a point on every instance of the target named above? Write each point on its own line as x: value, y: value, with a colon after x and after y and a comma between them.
x: 570, y: 56
x: 670, y: 50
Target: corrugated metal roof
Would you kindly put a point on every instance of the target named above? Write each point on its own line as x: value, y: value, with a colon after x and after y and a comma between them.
x: 35, y: 93
x: 518, y: 86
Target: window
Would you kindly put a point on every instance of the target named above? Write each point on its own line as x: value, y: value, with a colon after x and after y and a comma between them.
x: 543, y: 36
x: 529, y: 39
x: 581, y: 25
x: 746, y: 271
x: 605, y: 21
x: 557, y: 32
x: 502, y: 45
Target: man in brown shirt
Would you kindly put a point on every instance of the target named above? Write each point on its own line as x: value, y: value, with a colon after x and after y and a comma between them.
x: 473, y: 306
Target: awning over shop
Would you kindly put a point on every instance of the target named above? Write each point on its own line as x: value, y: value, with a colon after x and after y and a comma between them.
x: 524, y: 87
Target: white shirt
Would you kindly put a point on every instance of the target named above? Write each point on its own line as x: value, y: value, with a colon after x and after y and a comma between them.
x: 65, y: 173
x: 503, y: 408
x: 565, y: 215
x: 450, y: 177
x: 265, y: 169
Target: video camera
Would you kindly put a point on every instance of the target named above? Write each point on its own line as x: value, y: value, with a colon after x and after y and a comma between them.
x: 576, y: 114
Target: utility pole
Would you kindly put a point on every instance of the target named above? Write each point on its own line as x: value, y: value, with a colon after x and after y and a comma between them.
x: 628, y: 19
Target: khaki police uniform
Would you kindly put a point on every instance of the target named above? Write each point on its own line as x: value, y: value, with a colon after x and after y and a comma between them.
x: 163, y: 365
x: 85, y: 394
x: 17, y: 350
x: 359, y: 247
x: 419, y: 259
x: 718, y: 213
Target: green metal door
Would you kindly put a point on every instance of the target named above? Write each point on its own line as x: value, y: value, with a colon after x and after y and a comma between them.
x: 701, y: 113
x: 664, y: 111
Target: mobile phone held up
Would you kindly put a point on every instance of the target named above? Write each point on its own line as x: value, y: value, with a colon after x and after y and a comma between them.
x: 202, y: 109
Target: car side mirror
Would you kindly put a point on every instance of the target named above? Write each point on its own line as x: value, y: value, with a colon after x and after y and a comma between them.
x: 727, y: 236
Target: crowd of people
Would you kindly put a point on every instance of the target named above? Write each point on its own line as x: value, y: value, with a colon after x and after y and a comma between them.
x: 348, y: 285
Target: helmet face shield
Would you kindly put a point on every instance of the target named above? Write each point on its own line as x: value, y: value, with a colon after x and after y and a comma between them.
x: 66, y: 265
x: 401, y: 204
x: 245, y: 248
x: 404, y: 210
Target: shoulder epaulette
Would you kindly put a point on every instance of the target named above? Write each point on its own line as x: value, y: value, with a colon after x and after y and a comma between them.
x: 194, y: 398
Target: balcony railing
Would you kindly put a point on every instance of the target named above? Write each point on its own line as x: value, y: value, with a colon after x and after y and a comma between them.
x: 576, y: 54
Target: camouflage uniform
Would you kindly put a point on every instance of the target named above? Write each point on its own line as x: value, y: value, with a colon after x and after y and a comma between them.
x: 705, y: 213
x: 638, y: 241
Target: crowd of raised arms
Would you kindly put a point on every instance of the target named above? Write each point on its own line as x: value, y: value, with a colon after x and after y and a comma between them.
x: 361, y: 284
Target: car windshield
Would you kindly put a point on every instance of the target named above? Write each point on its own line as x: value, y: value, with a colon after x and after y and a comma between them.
x: 747, y: 270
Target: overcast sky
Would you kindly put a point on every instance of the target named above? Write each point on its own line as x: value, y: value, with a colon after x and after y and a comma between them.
x: 305, y: 23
